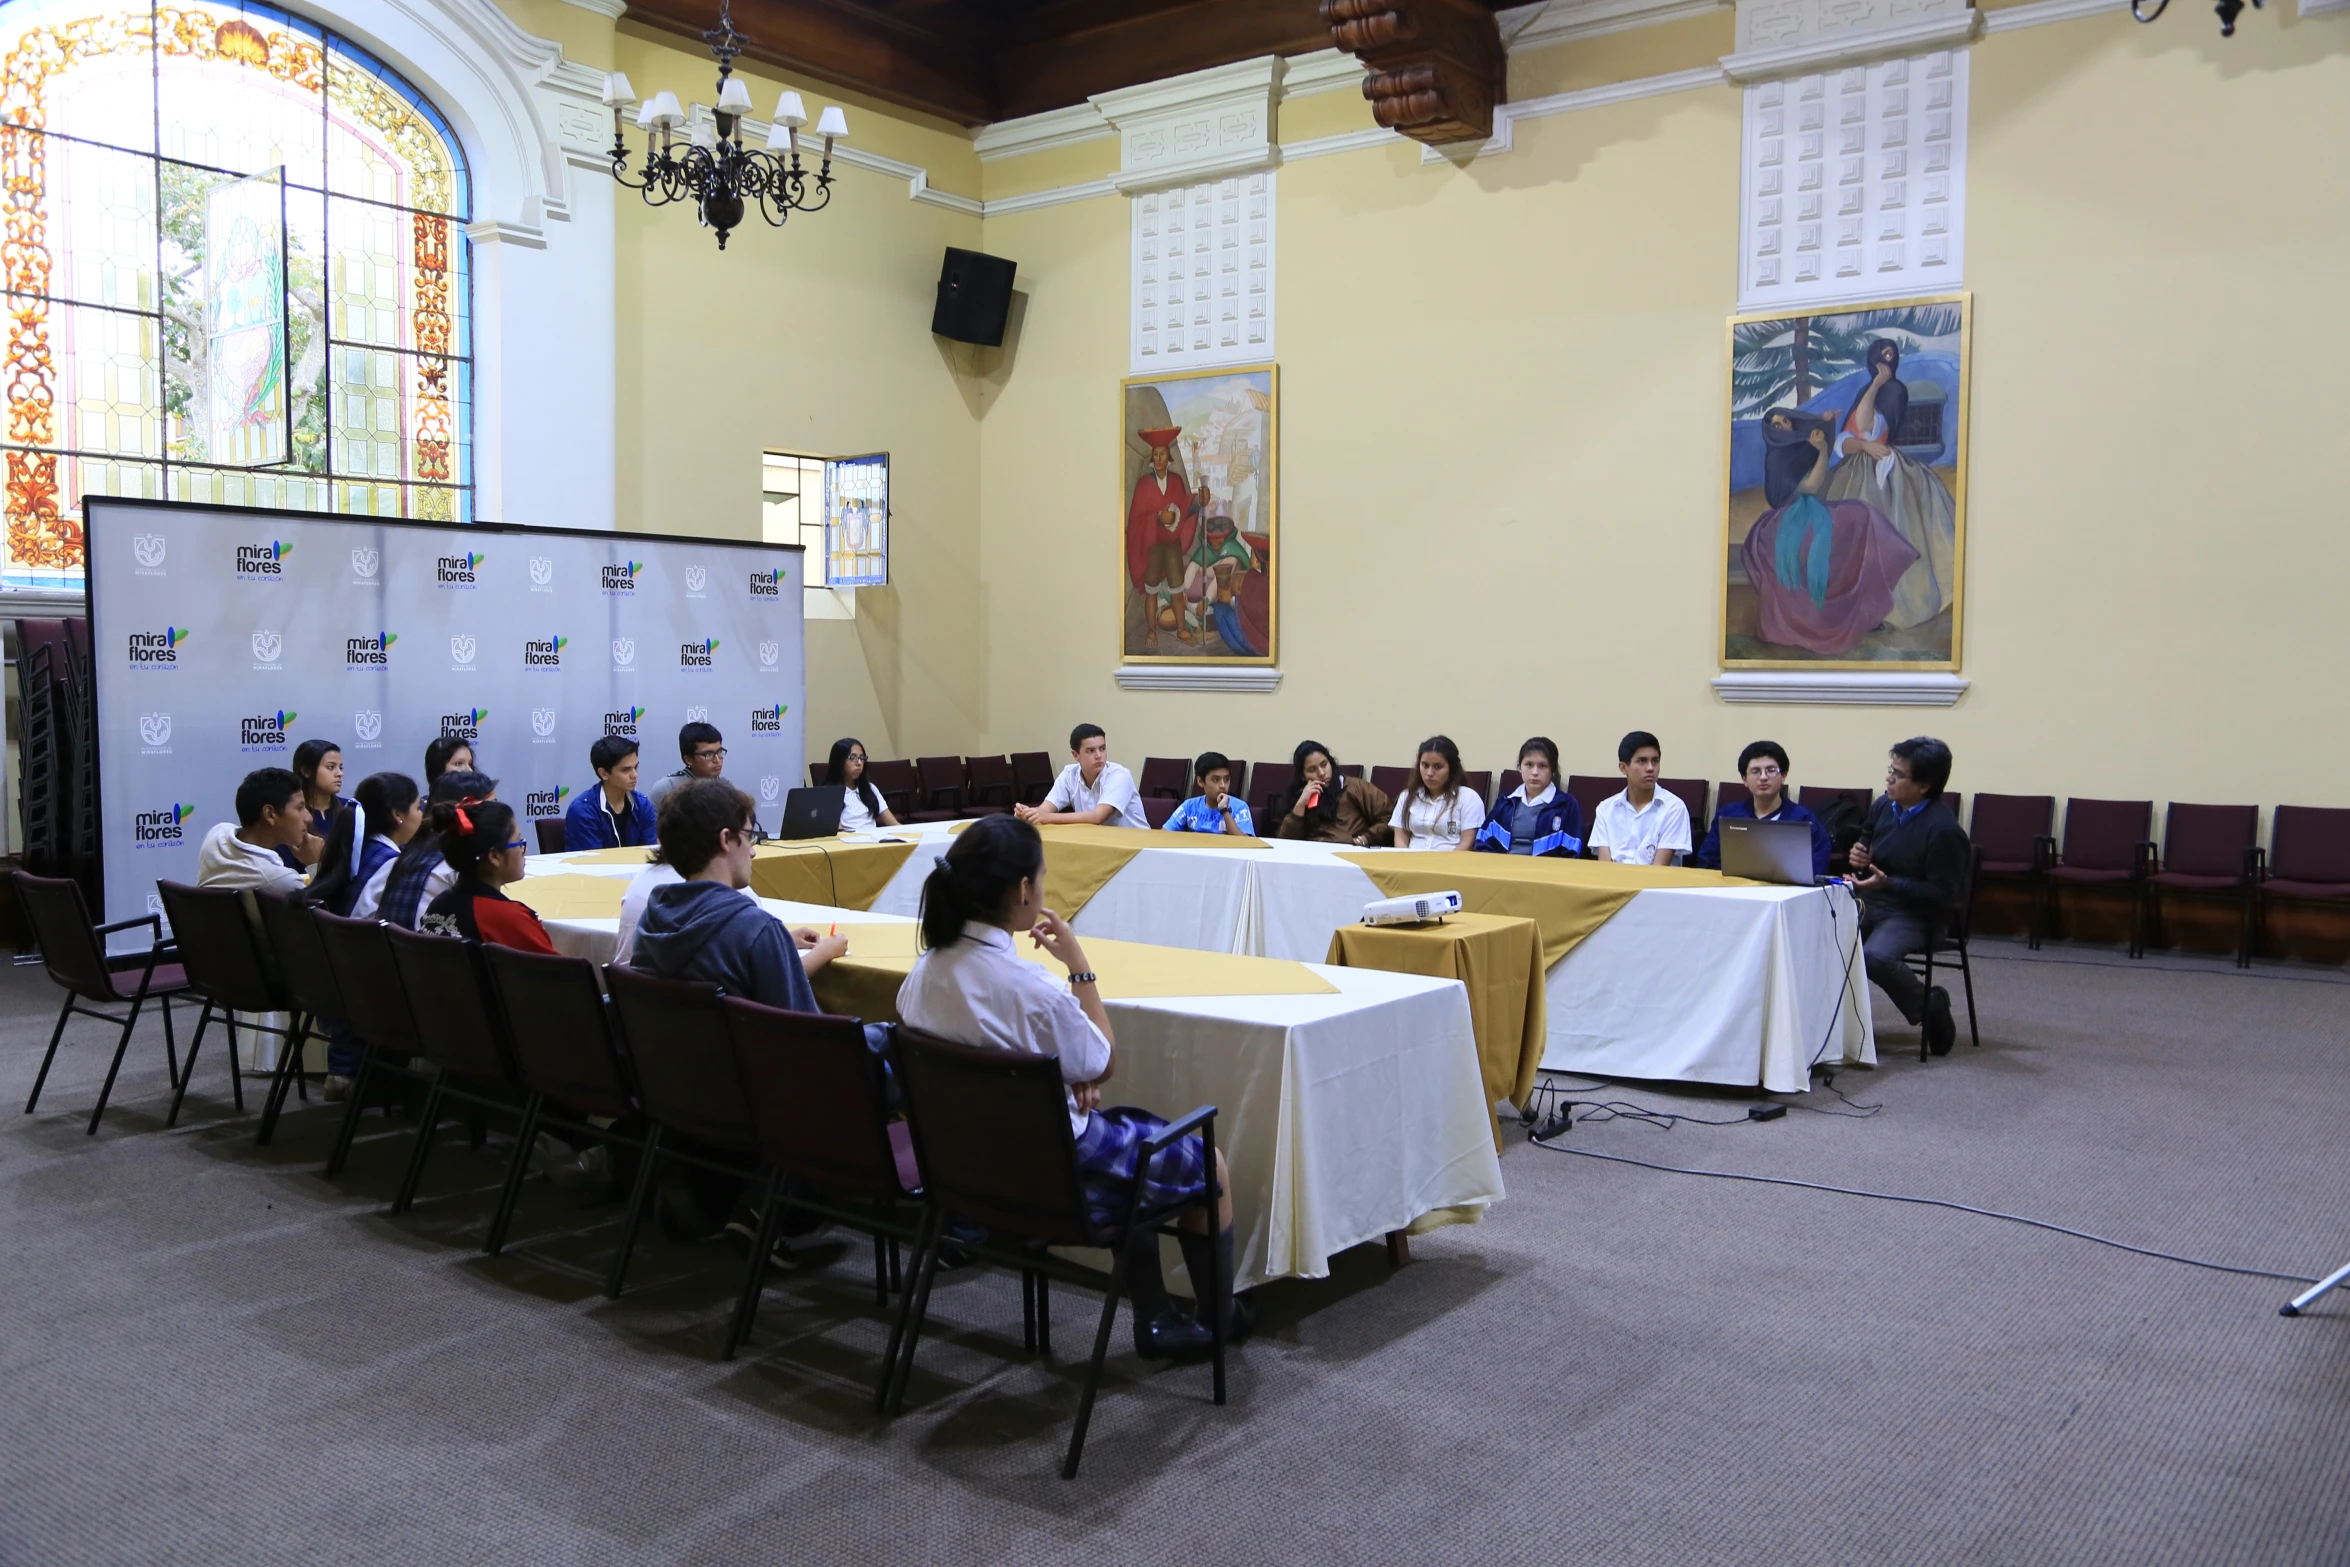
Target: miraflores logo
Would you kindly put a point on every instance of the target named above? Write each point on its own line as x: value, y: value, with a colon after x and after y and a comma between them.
x: 697, y: 655
x: 459, y: 571
x: 770, y: 654
x: 256, y: 561
x: 369, y: 652
x: 154, y: 734
x: 265, y: 731
x: 542, y: 574
x: 623, y: 723
x: 267, y: 646
x: 161, y: 829
x: 542, y: 726
x: 148, y: 550
x: 544, y: 653
x: 543, y: 804
x: 770, y: 788
x: 156, y: 649
x: 368, y: 725
x: 624, y: 653
x: 461, y: 651
x: 696, y: 579
x: 767, y: 584
x: 622, y: 578
x: 768, y: 720
x: 465, y: 726
x: 363, y: 566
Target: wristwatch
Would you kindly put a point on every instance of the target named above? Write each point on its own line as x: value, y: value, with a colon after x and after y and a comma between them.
x: 1088, y: 977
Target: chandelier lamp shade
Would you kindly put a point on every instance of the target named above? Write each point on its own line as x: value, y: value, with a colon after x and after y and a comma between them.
x: 713, y: 166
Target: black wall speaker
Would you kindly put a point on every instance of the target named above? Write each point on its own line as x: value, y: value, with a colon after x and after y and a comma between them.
x: 974, y: 297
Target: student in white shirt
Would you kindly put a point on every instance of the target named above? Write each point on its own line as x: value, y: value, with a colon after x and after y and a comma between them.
x: 273, y: 813
x: 861, y: 808
x: 1438, y: 811
x: 1090, y: 789
x: 971, y: 985
x: 1644, y: 825
x: 632, y: 902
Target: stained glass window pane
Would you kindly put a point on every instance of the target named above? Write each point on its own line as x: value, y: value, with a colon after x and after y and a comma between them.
x: 187, y: 300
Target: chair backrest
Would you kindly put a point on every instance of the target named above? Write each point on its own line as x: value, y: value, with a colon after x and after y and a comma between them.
x: 2204, y: 840
x: 1350, y: 770
x: 1816, y: 798
x: 1729, y: 794
x: 1952, y: 801
x: 1691, y: 792
x: 992, y: 780
x: 2006, y: 825
x: 1157, y: 808
x: 991, y: 1130
x: 460, y: 1029
x: 1587, y: 791
x: 1165, y: 776
x: 1033, y: 772
x: 1511, y: 781
x: 675, y: 1030
x: 1268, y: 786
x: 943, y: 784
x: 302, y: 966
x: 68, y: 938
x: 817, y: 1097
x: 2103, y: 835
x: 896, y: 783
x: 1479, y: 782
x: 2312, y: 843
x: 1391, y: 781
x: 1239, y: 777
x: 561, y: 1029
x: 219, y: 949
x: 550, y: 835
x: 816, y: 772
x: 375, y: 1000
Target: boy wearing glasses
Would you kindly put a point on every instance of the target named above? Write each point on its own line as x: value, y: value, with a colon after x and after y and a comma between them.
x: 1763, y: 767
x: 703, y: 750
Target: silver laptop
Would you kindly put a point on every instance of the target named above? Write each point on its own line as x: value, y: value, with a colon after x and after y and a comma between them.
x: 1767, y: 851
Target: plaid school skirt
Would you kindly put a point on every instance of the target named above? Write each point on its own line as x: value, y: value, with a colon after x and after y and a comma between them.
x: 1111, y: 1148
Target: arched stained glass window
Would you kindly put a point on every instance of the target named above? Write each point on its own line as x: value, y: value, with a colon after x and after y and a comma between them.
x: 236, y: 270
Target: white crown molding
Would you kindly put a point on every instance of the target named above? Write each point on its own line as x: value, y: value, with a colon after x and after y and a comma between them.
x: 917, y: 178
x: 615, y: 9
x: 1828, y: 51
x: 1058, y: 195
x: 1197, y: 677
x: 489, y: 231
x: 2313, y: 7
x: 1506, y: 116
x: 1348, y: 141
x: 2015, y: 16
x: 1200, y: 126
x: 1039, y: 132
x: 1551, y: 22
x: 1838, y: 688
x: 1331, y: 70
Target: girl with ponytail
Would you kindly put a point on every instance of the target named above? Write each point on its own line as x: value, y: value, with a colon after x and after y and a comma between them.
x: 364, y: 842
x: 481, y: 845
x: 970, y: 985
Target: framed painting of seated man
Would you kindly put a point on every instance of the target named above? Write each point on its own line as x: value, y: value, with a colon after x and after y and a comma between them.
x: 1199, y: 543
x: 1845, y: 518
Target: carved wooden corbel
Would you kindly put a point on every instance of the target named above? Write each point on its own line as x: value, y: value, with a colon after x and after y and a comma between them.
x: 1436, y: 65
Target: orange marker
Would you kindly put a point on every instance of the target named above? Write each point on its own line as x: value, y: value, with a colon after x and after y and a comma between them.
x: 835, y: 929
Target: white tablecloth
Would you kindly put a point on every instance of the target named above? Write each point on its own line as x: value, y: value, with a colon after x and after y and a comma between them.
x: 1341, y: 1117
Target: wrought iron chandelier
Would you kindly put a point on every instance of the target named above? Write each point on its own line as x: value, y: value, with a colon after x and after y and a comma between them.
x: 712, y: 168
x: 2228, y: 11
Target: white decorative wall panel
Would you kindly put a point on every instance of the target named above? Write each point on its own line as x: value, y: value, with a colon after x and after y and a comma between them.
x: 1855, y: 183
x: 1203, y: 274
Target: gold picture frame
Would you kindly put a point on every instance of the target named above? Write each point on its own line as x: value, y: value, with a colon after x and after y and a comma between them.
x: 1199, y: 539
x: 1872, y: 576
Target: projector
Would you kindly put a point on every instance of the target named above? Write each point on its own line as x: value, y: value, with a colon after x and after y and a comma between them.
x: 1413, y: 910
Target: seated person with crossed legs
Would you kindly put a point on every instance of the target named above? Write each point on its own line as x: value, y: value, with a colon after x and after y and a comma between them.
x: 1908, y: 869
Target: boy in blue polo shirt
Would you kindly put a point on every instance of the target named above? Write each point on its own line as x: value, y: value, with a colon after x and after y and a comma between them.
x: 1213, y: 809
x: 1763, y: 765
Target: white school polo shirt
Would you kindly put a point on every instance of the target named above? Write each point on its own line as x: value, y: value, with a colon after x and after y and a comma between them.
x: 1115, y: 787
x: 1635, y: 836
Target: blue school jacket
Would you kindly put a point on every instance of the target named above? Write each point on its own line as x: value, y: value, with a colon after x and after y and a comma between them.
x: 1558, y: 828
x: 1709, y: 853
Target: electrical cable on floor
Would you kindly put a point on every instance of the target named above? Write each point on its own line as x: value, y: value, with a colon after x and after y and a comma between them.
x: 1932, y: 1202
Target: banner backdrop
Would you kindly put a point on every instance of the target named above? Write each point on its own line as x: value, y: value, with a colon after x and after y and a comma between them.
x: 224, y: 637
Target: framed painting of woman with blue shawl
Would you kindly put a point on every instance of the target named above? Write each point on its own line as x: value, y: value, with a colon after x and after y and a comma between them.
x: 1845, y: 519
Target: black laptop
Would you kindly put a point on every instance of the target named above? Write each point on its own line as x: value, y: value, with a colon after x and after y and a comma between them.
x: 812, y: 813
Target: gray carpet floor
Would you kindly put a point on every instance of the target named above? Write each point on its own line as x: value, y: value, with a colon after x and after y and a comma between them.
x: 208, y: 1353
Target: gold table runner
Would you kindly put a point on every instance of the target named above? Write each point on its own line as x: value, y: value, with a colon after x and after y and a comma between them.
x: 1497, y: 958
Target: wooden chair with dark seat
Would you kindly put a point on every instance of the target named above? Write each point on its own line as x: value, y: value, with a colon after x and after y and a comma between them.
x: 73, y: 950
x: 2013, y: 838
x: 467, y: 1044
x: 816, y: 772
x: 376, y: 1005
x: 994, y: 788
x: 1588, y: 791
x: 833, y: 1145
x: 688, y: 1085
x: 991, y: 1135
x: 1268, y: 786
x: 1479, y: 782
x: 1157, y: 809
x: 2308, y: 858
x: 229, y: 965
x: 309, y: 979
x: 1350, y: 769
x: 1393, y: 781
x: 1821, y: 800
x: 940, y: 791
x: 2108, y: 846
x: 1239, y: 777
x: 2211, y: 851
x: 1691, y: 792
x: 1952, y: 801
x: 1511, y: 781
x: 565, y: 1053
x: 1033, y: 772
x: 1957, y: 929
x: 898, y: 785
x: 550, y: 835
x: 1729, y: 794
x: 1164, y: 777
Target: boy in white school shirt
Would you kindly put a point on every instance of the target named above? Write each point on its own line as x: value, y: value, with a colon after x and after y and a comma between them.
x: 1644, y: 825
x: 1091, y: 789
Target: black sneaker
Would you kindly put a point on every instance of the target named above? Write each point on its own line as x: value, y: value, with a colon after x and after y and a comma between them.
x: 1941, y: 1028
x: 1172, y: 1337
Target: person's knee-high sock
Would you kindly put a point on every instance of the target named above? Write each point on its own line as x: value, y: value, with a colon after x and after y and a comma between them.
x: 1197, y: 1258
x: 1146, y: 1282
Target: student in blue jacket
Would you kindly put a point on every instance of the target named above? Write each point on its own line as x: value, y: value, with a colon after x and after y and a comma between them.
x: 1537, y: 817
x: 612, y: 815
x: 1763, y: 765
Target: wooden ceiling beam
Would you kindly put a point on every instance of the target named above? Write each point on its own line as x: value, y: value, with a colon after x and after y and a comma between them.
x: 855, y: 46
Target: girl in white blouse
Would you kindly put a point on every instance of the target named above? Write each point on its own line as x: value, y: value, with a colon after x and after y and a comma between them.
x: 1437, y: 811
x: 971, y: 986
x: 861, y: 808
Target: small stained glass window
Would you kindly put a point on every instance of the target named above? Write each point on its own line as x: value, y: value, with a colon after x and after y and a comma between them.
x: 856, y: 522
